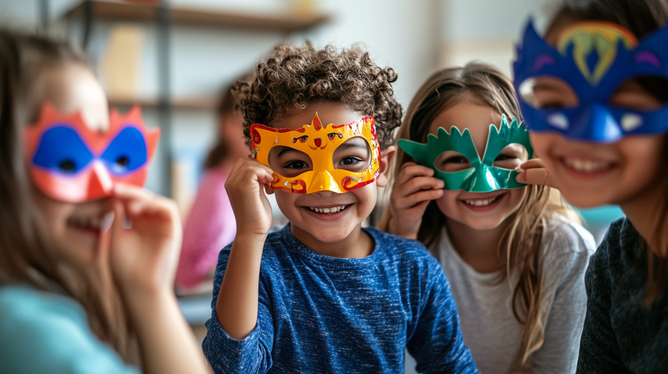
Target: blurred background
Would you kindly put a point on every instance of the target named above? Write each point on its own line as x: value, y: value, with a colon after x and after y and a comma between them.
x: 174, y: 63
x: 173, y: 58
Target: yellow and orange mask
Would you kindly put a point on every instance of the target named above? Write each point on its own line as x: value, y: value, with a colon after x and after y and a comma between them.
x: 319, y: 143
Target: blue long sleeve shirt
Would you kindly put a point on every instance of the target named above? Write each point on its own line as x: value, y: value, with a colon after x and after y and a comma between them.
x: 321, y: 314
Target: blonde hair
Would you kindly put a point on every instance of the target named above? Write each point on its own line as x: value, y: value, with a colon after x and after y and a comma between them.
x: 521, y: 241
x: 26, y: 256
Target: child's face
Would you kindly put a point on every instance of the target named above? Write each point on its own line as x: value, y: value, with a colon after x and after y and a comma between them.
x: 311, y: 223
x: 73, y: 229
x: 480, y: 211
x: 592, y: 174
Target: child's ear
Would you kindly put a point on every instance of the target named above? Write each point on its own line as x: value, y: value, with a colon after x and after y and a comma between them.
x: 387, y: 155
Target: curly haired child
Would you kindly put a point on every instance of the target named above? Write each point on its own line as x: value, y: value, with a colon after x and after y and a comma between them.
x: 324, y: 294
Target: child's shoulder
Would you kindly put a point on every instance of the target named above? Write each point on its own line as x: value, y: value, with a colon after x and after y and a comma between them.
x: 564, y: 236
x: 25, y: 303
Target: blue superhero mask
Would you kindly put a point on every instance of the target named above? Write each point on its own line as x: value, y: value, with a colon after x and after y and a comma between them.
x: 594, y: 58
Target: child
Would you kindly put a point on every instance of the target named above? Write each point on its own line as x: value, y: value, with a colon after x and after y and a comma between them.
x: 324, y: 294
x: 210, y: 224
x: 514, y: 261
x: 80, y: 292
x: 600, y: 129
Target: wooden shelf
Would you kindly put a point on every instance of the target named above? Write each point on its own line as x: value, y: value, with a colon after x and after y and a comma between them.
x: 201, y: 103
x: 287, y: 22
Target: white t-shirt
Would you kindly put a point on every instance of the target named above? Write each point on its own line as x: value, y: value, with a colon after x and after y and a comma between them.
x: 484, y: 304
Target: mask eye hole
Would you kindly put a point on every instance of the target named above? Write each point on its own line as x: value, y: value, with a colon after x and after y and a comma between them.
x: 67, y: 165
x: 289, y: 162
x: 123, y: 161
x: 451, y: 161
x: 547, y: 92
x: 353, y: 155
x: 333, y: 135
x: 510, y: 157
x: 643, y: 93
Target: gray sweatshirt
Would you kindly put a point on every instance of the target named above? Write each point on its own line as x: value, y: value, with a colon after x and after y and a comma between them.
x: 488, y: 325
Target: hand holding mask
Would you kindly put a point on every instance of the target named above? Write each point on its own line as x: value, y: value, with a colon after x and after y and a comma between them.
x: 482, y: 176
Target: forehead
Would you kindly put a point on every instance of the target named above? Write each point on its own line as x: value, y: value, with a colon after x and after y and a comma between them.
x: 466, y: 115
x: 72, y: 87
x: 329, y: 112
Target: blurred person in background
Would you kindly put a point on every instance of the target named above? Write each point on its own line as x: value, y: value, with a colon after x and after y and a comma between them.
x: 210, y: 225
x: 87, y: 256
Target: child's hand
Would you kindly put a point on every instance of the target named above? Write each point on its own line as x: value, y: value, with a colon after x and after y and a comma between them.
x: 246, y: 187
x: 144, y: 242
x: 534, y: 172
x: 413, y: 189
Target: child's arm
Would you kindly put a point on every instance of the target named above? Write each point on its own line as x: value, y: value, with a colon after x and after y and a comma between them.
x: 142, y: 260
x: 437, y: 343
x: 237, y: 303
x: 413, y: 189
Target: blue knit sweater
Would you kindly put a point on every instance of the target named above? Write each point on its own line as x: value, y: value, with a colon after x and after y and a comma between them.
x: 320, y: 314
x: 620, y: 334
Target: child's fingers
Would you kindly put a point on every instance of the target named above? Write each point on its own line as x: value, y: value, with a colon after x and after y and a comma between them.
x: 534, y: 172
x: 415, y: 199
x: 410, y: 170
x: 532, y: 164
x: 418, y: 184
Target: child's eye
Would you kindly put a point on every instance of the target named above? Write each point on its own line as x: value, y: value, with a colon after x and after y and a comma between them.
x: 551, y: 105
x: 332, y: 135
x: 121, y: 164
x: 296, y: 164
x: 350, y: 160
x: 67, y: 165
x: 505, y: 157
x: 455, y: 160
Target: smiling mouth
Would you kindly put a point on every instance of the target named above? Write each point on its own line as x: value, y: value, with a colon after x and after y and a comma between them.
x: 91, y: 223
x: 481, y: 202
x: 331, y: 210
x: 586, y: 166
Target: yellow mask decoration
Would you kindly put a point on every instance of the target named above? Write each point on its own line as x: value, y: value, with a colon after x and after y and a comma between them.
x: 319, y: 143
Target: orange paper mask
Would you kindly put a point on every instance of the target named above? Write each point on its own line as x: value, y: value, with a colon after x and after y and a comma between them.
x: 319, y: 143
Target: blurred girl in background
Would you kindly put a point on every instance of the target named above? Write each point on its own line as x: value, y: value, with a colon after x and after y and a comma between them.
x: 86, y: 261
x: 210, y: 225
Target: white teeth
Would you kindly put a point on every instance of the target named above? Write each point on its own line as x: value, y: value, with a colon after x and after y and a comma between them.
x: 481, y: 202
x: 587, y: 166
x: 88, y: 222
x: 94, y: 223
x: 328, y: 210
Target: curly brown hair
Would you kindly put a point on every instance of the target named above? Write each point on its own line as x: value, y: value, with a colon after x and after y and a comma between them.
x: 292, y: 77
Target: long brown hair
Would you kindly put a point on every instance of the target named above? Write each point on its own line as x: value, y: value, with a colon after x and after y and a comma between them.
x: 26, y: 256
x: 521, y: 241
x: 641, y: 17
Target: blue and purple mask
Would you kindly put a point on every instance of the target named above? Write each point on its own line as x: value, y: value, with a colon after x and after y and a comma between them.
x: 594, y: 58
